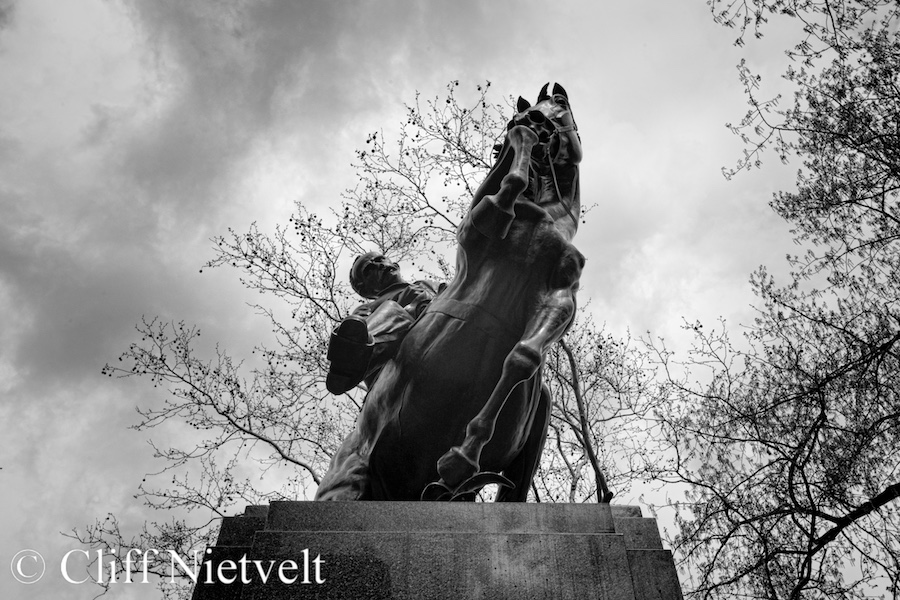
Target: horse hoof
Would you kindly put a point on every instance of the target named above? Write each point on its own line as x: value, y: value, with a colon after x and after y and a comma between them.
x: 465, y: 491
x: 454, y: 467
x: 522, y: 134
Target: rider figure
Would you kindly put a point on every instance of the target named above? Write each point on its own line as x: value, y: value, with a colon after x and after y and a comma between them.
x: 364, y: 341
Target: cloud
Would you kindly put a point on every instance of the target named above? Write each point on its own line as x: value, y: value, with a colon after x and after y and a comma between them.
x: 7, y: 13
x: 197, y: 116
x: 225, y: 113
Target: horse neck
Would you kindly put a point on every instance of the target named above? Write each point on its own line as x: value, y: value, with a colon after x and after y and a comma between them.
x: 560, y: 196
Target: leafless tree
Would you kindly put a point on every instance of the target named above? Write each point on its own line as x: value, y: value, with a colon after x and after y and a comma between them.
x: 788, y: 440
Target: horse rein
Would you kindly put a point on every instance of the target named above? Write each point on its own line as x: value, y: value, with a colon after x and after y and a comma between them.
x: 556, y: 132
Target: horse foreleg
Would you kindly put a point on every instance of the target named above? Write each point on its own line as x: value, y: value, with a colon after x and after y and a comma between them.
x: 546, y: 327
x: 495, y: 213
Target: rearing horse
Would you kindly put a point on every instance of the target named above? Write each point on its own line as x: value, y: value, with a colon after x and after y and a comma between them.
x: 463, y: 395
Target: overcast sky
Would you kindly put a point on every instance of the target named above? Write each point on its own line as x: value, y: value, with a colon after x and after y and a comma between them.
x: 133, y: 131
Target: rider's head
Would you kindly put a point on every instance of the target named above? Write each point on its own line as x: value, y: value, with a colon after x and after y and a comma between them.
x: 372, y: 273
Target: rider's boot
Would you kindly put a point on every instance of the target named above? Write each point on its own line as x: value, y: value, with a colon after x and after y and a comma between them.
x: 349, y: 351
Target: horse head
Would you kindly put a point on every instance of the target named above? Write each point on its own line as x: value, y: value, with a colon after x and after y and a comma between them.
x: 554, y: 160
x: 551, y: 119
x: 553, y: 165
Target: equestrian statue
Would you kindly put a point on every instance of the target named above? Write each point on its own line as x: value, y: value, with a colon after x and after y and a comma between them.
x: 460, y: 403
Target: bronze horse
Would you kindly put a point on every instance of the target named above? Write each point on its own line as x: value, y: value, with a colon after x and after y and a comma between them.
x: 463, y: 399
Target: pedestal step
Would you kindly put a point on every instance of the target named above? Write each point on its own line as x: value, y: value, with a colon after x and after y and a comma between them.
x: 424, y: 550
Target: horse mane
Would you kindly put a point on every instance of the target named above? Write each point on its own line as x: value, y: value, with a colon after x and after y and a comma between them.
x: 491, y: 183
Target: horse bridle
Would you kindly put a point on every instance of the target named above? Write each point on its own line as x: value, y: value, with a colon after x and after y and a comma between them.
x: 531, y: 115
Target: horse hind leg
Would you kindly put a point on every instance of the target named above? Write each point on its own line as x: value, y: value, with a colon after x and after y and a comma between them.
x: 521, y: 471
x: 546, y: 327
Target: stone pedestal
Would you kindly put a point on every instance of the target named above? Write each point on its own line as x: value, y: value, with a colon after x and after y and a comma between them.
x: 426, y: 550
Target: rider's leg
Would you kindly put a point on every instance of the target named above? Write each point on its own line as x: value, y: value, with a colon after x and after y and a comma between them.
x: 359, y: 347
x: 349, y: 351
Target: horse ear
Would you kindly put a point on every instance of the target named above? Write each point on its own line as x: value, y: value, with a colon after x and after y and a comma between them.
x: 558, y: 89
x: 522, y: 104
x: 543, y: 95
